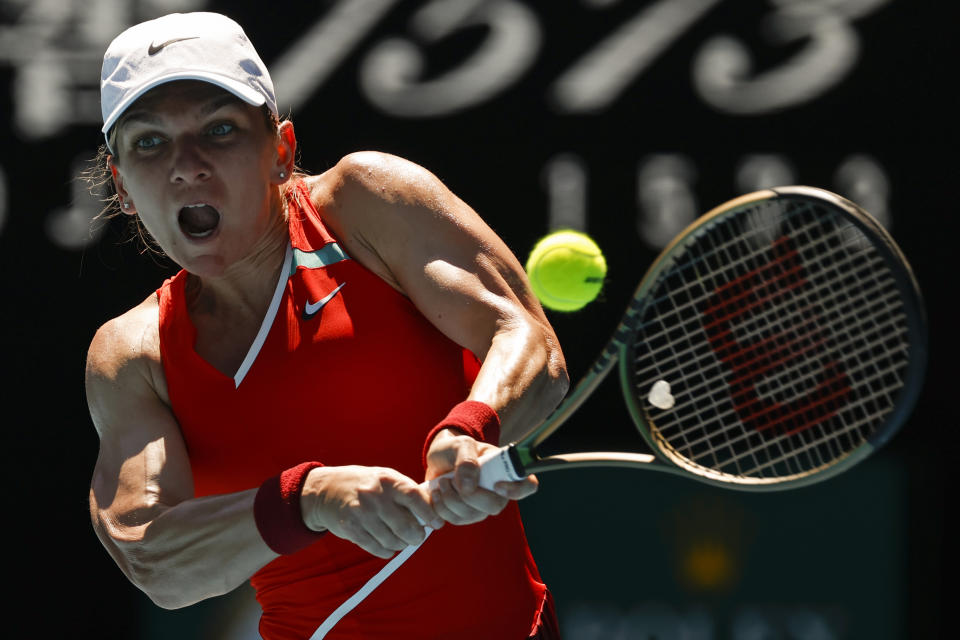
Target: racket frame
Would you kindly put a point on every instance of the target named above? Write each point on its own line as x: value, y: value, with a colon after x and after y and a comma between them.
x: 523, y: 454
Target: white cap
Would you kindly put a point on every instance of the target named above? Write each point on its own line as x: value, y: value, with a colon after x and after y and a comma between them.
x: 182, y: 46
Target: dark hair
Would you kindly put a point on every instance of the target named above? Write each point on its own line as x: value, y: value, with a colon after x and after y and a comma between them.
x: 99, y: 181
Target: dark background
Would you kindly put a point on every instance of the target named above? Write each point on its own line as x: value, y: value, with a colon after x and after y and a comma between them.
x: 628, y: 554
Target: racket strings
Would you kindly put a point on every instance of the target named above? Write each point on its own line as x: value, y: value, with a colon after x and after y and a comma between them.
x: 692, y: 349
x: 681, y: 281
x: 788, y: 457
x: 804, y: 345
x: 799, y: 298
x: 683, y: 320
x: 814, y: 420
x: 869, y: 403
x: 845, y: 233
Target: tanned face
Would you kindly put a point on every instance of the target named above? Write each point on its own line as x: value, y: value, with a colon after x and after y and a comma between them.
x: 199, y: 167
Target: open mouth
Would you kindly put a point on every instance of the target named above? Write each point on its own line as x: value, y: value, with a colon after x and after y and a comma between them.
x: 198, y: 220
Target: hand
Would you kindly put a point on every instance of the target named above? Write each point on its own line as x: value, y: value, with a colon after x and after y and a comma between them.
x: 375, y: 508
x: 460, y: 499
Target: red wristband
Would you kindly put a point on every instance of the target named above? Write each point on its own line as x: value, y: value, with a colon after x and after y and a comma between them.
x: 476, y: 419
x: 276, y: 510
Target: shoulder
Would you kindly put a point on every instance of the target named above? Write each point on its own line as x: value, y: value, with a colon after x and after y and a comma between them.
x: 134, y: 335
x: 373, y: 178
x: 370, y: 169
x: 124, y: 355
x: 372, y: 200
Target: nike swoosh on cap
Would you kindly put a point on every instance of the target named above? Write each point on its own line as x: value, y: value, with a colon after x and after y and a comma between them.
x: 157, y: 48
x: 313, y: 308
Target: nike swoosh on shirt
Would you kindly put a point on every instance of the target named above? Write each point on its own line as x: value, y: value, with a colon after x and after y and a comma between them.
x: 157, y: 48
x: 313, y: 308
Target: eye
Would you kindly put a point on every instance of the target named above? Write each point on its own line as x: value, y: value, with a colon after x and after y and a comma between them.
x: 221, y: 129
x: 148, y: 142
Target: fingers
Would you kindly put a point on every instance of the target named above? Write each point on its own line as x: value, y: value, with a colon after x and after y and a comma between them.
x: 380, y: 510
x: 459, y: 498
x: 460, y: 507
x: 386, y: 531
x: 366, y: 540
x: 417, y: 500
x: 466, y: 471
x: 518, y: 490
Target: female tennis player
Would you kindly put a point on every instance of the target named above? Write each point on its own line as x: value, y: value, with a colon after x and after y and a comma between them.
x: 331, y: 341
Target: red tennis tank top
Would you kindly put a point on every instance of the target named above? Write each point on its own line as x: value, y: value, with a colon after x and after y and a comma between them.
x: 345, y: 371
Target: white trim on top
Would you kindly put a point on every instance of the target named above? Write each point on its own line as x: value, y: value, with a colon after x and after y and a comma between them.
x: 267, y: 320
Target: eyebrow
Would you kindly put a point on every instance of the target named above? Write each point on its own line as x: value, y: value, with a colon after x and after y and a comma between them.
x: 220, y: 102
x: 146, y: 117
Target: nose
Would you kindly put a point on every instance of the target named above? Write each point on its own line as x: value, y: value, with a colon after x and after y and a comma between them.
x: 189, y: 163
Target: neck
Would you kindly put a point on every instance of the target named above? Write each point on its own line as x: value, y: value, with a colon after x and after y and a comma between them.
x: 246, y: 287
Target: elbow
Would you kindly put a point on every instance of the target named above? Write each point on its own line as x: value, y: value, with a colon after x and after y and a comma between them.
x: 164, y: 599
x: 558, y: 379
x: 147, y: 568
x: 146, y: 572
x: 544, y: 363
x: 169, y: 601
x: 555, y: 369
x: 550, y: 380
x: 561, y: 385
x: 164, y: 586
x: 168, y: 585
x: 147, y: 576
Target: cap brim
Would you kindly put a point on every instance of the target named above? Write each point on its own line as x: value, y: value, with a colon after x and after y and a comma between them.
x: 245, y: 92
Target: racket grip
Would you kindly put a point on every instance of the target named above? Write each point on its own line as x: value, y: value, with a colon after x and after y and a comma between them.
x: 495, y: 466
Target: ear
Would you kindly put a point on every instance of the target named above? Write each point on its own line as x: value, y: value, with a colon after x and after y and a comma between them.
x: 126, y: 202
x: 286, y: 152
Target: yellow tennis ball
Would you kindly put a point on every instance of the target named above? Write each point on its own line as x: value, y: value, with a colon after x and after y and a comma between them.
x: 566, y: 270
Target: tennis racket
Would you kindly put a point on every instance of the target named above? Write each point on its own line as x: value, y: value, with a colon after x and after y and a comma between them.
x: 777, y: 341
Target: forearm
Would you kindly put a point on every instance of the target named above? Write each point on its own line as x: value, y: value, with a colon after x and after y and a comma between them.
x: 191, y: 551
x: 523, y: 378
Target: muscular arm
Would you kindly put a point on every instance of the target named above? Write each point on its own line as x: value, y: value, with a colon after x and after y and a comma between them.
x: 176, y: 548
x: 180, y: 549
x: 400, y: 221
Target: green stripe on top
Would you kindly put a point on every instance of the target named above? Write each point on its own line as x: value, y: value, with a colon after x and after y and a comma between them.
x: 324, y: 257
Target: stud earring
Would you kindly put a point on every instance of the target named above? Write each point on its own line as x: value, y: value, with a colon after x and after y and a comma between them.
x: 283, y: 175
x: 126, y: 205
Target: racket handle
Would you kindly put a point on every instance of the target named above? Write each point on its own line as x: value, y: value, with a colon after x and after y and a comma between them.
x: 495, y: 466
